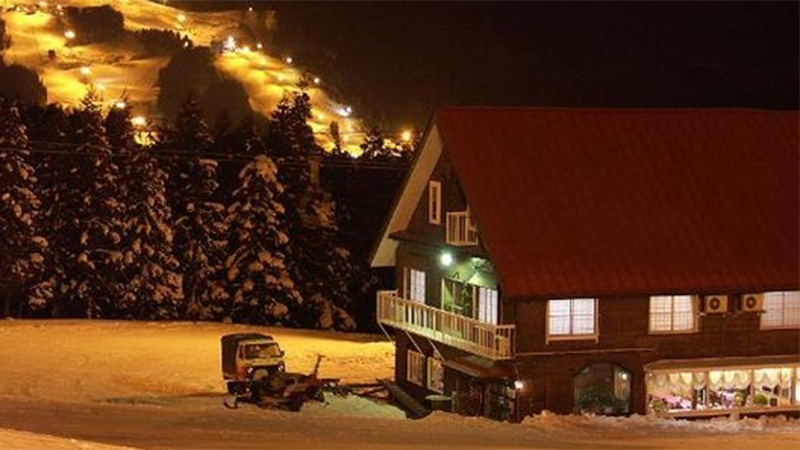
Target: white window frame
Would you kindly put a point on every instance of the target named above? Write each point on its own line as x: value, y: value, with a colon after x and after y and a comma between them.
x: 430, y: 379
x: 435, y: 202
x: 695, y: 302
x: 487, y: 313
x: 414, y: 284
x: 415, y: 367
x: 460, y: 229
x: 594, y: 336
x: 782, y: 297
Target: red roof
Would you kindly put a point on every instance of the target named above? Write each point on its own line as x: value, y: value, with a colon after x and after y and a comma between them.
x: 573, y: 202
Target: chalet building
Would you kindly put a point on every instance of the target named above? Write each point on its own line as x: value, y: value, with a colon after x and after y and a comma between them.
x: 605, y: 260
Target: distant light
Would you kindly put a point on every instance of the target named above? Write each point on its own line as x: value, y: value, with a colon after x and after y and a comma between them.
x: 120, y: 105
x: 519, y: 385
x: 69, y: 34
x: 230, y: 44
x: 317, y: 80
x: 138, y: 121
x: 85, y: 70
x: 181, y: 18
x: 186, y: 44
x: 250, y: 9
x: 101, y: 87
x: 289, y: 60
x: 406, y: 136
x: 446, y: 259
x: 344, y: 111
x: 259, y: 46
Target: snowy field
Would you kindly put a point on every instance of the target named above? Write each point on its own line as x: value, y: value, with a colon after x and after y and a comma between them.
x: 98, y: 385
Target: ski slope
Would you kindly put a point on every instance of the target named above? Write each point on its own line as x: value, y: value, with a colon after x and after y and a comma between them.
x: 115, y: 70
x: 72, y: 384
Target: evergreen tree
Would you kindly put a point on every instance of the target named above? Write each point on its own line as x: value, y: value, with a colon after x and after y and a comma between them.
x: 374, y: 146
x: 20, y: 248
x: 87, y: 219
x: 149, y: 285
x: 200, y: 227
x: 261, y: 288
x: 316, y: 263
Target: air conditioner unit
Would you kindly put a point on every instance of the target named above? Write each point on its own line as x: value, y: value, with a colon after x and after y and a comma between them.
x: 752, y: 303
x: 715, y: 304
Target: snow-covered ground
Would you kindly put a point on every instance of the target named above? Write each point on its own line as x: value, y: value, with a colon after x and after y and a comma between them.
x: 85, y: 384
x: 116, y: 69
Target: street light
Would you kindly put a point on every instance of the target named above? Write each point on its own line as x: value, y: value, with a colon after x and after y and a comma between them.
x: 69, y: 34
x: 406, y: 136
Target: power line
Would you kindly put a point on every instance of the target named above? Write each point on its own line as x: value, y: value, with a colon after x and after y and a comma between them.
x: 177, y: 155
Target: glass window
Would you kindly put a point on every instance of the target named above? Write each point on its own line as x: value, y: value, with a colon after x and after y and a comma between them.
x: 414, y: 285
x: 487, y: 305
x: 435, y: 375
x: 672, y: 313
x: 782, y: 310
x: 571, y: 317
x: 435, y: 202
x: 415, y: 367
x: 721, y: 389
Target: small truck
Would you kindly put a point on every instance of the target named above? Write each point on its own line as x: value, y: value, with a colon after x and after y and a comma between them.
x: 248, y: 357
x: 254, y: 370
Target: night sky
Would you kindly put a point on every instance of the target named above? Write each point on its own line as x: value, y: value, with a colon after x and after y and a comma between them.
x: 396, y: 62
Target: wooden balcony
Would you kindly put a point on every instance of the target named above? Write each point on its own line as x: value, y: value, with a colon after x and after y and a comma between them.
x: 483, y: 339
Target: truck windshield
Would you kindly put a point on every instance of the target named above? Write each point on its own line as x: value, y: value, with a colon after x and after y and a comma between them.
x: 261, y: 351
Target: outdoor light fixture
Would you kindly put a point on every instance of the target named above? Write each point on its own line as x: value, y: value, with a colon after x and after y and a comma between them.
x: 120, y: 105
x: 138, y: 121
x: 181, y: 18
x: 446, y: 259
x: 69, y: 34
x: 317, y: 80
x: 85, y: 70
x: 406, y: 136
x: 259, y: 46
x: 519, y: 385
x: 289, y: 60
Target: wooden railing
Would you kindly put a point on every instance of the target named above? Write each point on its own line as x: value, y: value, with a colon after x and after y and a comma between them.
x: 484, y: 339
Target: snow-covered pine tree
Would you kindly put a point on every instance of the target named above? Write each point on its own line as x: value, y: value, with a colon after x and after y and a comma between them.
x: 20, y: 247
x: 89, y: 220
x: 261, y: 287
x: 149, y: 284
x: 319, y: 266
x: 200, y: 217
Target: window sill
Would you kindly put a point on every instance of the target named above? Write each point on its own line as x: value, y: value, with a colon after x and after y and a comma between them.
x: 670, y: 333
x: 779, y: 327
x: 572, y: 337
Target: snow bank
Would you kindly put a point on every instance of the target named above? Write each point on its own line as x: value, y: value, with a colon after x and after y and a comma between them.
x: 353, y: 406
x: 646, y: 425
x: 13, y: 439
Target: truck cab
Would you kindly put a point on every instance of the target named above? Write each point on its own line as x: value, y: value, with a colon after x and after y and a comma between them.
x: 249, y: 357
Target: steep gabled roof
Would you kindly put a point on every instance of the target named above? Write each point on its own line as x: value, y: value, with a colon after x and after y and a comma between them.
x: 574, y: 202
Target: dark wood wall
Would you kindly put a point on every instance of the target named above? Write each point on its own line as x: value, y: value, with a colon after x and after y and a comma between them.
x: 624, y: 339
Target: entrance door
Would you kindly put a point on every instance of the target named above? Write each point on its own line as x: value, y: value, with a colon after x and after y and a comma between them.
x: 603, y: 388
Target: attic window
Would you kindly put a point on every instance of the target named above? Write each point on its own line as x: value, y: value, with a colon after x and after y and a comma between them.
x: 435, y: 202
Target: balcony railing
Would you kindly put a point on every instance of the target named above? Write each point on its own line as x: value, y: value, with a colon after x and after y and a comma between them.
x: 461, y: 230
x: 484, y: 339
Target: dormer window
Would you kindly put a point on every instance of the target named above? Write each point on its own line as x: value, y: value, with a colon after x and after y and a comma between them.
x: 435, y: 202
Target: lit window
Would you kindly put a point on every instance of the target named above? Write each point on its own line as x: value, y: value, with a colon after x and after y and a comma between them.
x: 672, y: 313
x: 414, y: 284
x: 435, y: 375
x: 570, y: 318
x: 435, y: 202
x: 782, y: 310
x: 487, y: 305
x: 415, y: 367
